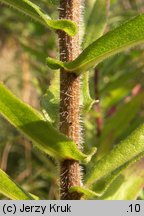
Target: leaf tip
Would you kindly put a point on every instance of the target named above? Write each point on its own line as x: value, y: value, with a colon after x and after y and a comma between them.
x: 72, y: 28
x: 90, y: 155
x: 53, y: 63
x: 65, y: 25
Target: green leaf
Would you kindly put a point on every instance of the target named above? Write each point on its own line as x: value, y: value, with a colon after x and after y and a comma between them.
x: 101, y: 186
x: 85, y: 191
x: 122, y: 80
x: 122, y: 153
x: 32, y: 124
x: 34, y: 196
x: 127, y: 185
x: 97, y: 21
x: 118, y: 123
x: 11, y: 190
x: 29, y: 8
x: 50, y: 101
x: 87, y: 101
x: 123, y: 37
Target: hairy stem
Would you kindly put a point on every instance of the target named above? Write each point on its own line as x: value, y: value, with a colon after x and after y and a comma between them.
x: 70, y: 173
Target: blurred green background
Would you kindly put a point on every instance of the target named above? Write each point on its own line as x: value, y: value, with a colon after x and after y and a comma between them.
x: 118, y: 83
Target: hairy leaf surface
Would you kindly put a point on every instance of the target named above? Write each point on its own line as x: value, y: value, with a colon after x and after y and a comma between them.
x: 29, y: 8
x: 102, y: 185
x: 30, y: 122
x: 127, y: 185
x: 121, y: 154
x: 123, y: 37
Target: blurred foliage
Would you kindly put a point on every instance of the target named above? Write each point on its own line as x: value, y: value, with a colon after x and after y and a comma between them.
x: 32, y: 43
x: 120, y: 89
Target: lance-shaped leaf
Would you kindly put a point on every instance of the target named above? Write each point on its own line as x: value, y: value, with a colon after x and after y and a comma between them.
x: 128, y: 185
x: 97, y: 21
x: 118, y: 123
x: 101, y: 186
x: 31, y: 123
x: 29, y: 8
x: 11, y: 190
x: 105, y: 189
x: 87, y: 101
x: 123, y: 37
x: 50, y: 101
x: 127, y: 150
x: 84, y: 191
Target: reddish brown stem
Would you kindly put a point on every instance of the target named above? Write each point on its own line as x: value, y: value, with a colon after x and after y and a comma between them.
x: 70, y: 174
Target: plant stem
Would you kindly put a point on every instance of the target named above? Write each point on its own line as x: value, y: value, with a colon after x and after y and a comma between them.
x: 70, y: 172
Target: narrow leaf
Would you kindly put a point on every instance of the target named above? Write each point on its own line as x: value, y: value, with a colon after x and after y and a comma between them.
x: 85, y: 191
x: 97, y: 21
x: 118, y: 124
x: 87, y: 101
x: 123, y: 37
x: 101, y: 186
x: 128, y: 185
x: 31, y: 123
x: 50, y: 101
x: 11, y: 190
x: 29, y: 8
x: 128, y: 149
